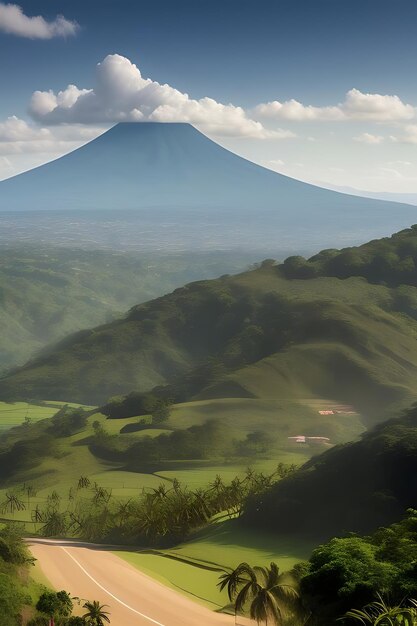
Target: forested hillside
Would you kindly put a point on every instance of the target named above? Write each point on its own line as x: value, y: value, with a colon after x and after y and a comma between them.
x: 390, y: 260
x: 353, y: 487
x: 260, y: 334
x: 48, y: 292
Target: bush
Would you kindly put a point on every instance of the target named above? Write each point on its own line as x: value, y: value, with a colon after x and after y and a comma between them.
x: 55, y: 604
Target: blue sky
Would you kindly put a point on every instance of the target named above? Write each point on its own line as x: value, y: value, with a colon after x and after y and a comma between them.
x: 246, y: 53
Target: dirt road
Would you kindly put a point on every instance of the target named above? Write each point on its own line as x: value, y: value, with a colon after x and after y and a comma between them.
x: 133, y: 598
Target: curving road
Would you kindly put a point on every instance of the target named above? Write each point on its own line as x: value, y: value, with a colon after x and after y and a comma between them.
x: 134, y: 599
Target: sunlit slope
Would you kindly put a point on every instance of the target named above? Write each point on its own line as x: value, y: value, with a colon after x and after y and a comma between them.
x: 360, y: 354
x: 140, y: 166
x: 255, y: 335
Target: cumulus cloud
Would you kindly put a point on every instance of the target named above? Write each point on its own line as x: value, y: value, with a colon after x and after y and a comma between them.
x: 15, y: 129
x: 369, y: 138
x: 14, y: 22
x: 19, y: 137
x: 409, y: 135
x: 356, y: 106
x: 295, y: 111
x: 122, y: 94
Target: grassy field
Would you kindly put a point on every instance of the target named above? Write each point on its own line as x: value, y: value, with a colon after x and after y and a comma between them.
x: 62, y: 472
x: 15, y: 413
x: 195, y: 475
x: 281, y: 419
x: 194, y: 567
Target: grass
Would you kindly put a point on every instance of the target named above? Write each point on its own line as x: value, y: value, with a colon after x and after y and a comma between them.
x: 38, y: 577
x: 279, y: 418
x: 194, y: 567
x: 197, y: 583
x: 193, y: 475
x: 282, y: 418
x: 57, y: 404
x: 15, y: 413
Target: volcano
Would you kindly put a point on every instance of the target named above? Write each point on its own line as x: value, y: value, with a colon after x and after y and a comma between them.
x: 150, y: 166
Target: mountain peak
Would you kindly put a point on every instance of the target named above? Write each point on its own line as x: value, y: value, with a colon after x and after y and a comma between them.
x: 155, y: 165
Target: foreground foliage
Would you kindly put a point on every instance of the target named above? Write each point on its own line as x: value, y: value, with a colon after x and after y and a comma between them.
x: 260, y: 592
x: 379, y: 613
x: 347, y: 573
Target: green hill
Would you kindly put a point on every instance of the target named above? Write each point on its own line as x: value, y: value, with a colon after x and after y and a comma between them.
x: 47, y: 292
x: 259, y: 335
x: 390, y: 260
x: 352, y: 487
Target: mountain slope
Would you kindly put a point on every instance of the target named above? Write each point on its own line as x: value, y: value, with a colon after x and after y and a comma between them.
x: 354, y: 487
x: 254, y: 335
x: 47, y: 292
x: 160, y: 166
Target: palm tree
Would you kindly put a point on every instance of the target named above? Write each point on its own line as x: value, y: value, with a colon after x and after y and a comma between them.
x: 100, y: 494
x: 96, y: 615
x: 234, y: 579
x: 12, y: 503
x: 54, y: 523
x: 379, y: 613
x: 261, y: 590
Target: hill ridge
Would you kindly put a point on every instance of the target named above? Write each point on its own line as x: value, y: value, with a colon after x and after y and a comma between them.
x: 257, y: 334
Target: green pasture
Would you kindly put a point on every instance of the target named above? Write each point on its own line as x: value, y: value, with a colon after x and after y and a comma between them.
x: 199, y: 583
x: 194, y: 474
x: 194, y: 567
x: 58, y: 404
x: 15, y: 413
x: 281, y: 418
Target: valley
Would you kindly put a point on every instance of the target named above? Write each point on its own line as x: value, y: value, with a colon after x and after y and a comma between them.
x: 263, y: 374
x: 48, y: 290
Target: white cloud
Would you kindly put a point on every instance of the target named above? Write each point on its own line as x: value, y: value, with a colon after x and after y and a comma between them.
x: 122, y: 94
x: 14, y: 22
x: 369, y: 138
x: 19, y: 137
x: 356, y: 106
x: 408, y: 136
x: 15, y: 129
x: 295, y: 111
x: 376, y: 107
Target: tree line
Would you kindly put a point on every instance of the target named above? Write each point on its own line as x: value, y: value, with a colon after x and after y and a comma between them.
x: 158, y: 516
